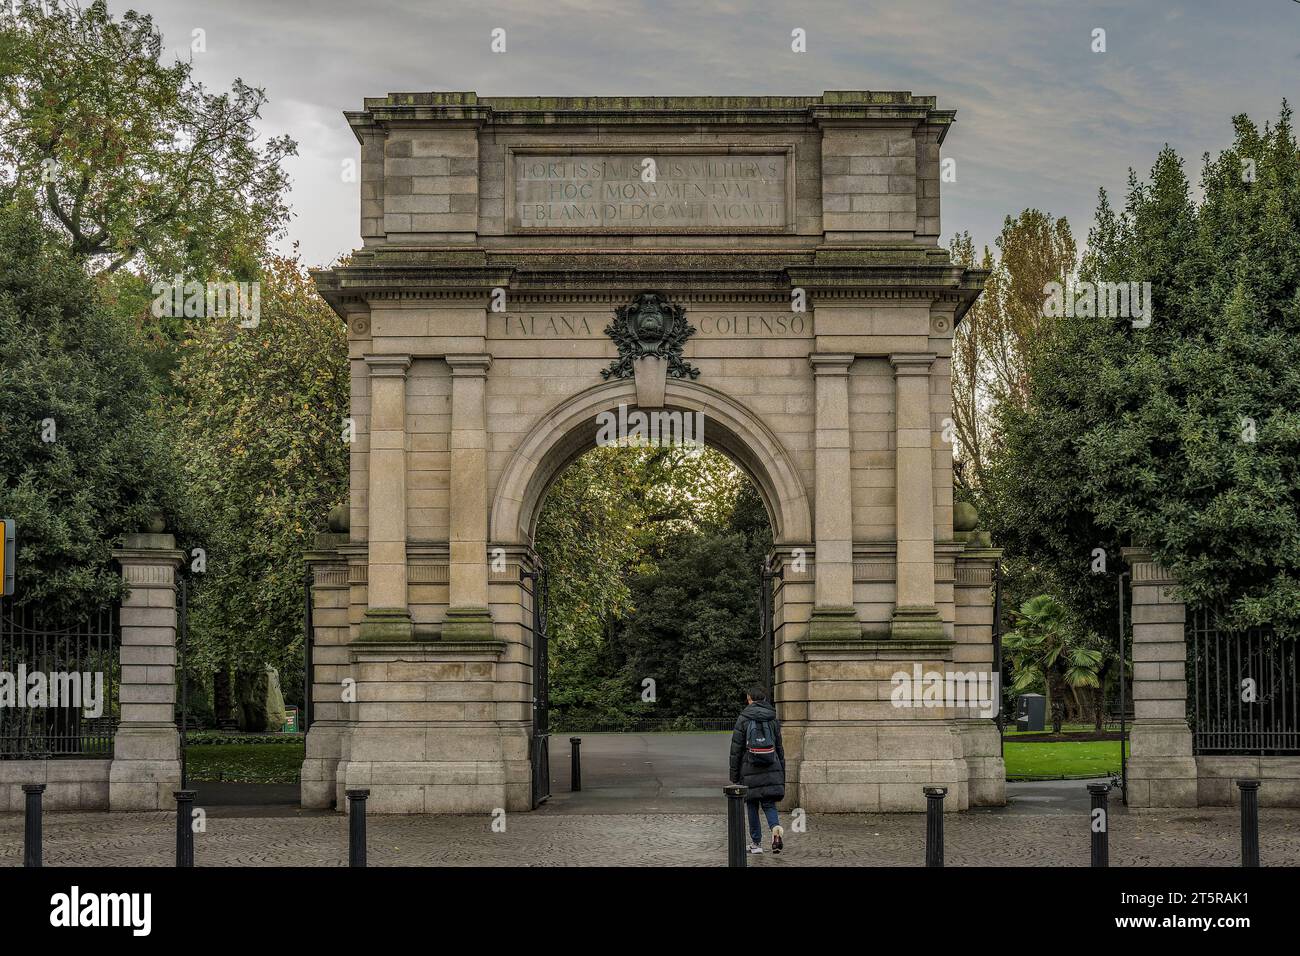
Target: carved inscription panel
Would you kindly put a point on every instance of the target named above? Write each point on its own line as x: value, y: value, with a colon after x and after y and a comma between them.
x: 651, y: 191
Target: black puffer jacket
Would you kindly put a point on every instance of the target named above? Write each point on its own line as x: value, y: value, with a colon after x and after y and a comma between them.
x: 764, y: 783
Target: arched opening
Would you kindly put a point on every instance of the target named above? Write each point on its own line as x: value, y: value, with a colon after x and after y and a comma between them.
x: 571, y: 428
x: 659, y: 615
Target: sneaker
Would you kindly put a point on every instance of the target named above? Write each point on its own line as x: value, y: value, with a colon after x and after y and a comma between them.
x: 777, y: 833
x: 755, y: 848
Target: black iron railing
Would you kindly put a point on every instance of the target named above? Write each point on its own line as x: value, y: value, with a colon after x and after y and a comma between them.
x: 540, y: 747
x: 57, y: 672
x: 1242, y: 688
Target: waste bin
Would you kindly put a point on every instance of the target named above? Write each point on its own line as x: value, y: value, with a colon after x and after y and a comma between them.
x: 1031, y: 712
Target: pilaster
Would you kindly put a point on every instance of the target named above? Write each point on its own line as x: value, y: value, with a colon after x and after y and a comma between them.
x: 468, y: 618
x: 387, y: 615
x: 834, y: 616
x: 915, y: 613
x: 1162, y: 769
x: 146, y: 766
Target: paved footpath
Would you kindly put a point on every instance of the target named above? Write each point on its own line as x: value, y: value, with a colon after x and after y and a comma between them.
x: 1204, y: 837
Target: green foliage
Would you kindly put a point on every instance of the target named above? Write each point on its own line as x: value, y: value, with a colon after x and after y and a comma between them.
x: 278, y: 762
x: 65, y: 359
x: 216, y: 738
x: 1046, y: 651
x: 131, y: 157
x: 696, y: 630
x: 1062, y: 760
x: 262, y: 437
x: 1183, y: 436
x: 653, y: 557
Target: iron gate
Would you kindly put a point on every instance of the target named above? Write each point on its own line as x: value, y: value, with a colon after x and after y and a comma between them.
x: 1244, y: 691
x: 767, y: 628
x: 541, y: 740
x: 88, y: 648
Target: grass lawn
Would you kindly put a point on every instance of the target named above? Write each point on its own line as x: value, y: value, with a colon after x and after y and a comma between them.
x: 1061, y: 761
x: 281, y: 762
x: 245, y: 763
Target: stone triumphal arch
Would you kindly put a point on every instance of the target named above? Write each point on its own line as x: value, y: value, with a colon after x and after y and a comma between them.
x: 530, y: 263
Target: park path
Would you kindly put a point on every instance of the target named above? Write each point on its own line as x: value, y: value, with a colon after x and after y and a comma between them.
x: 1205, y: 837
x: 651, y: 799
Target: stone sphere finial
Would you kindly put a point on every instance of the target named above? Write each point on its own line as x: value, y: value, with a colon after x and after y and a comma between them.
x: 965, y: 516
x: 339, y: 519
x: 155, y: 523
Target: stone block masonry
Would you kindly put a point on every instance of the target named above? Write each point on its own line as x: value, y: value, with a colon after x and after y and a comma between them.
x: 502, y: 236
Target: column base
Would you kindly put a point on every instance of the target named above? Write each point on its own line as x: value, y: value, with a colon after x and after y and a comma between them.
x: 914, y: 622
x: 1162, y: 782
x: 425, y: 768
x: 881, y: 767
x: 468, y: 624
x: 386, y: 624
x: 320, y: 768
x: 1161, y: 770
x: 985, y: 767
x: 146, y: 768
x: 429, y: 732
x: 834, y: 624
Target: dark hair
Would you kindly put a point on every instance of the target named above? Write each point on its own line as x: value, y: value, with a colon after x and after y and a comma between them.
x: 757, y: 694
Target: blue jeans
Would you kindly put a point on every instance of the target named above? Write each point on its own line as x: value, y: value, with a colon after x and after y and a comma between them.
x: 769, y: 811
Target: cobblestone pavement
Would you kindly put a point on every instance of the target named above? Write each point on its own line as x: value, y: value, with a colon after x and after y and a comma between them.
x: 1204, y: 837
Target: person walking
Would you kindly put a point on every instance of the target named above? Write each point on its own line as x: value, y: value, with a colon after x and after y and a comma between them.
x: 758, y: 761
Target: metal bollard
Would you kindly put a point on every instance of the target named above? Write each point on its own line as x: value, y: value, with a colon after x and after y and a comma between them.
x: 1249, y: 822
x: 736, y: 851
x: 575, y: 764
x: 32, y: 824
x: 934, y: 825
x: 357, y: 827
x: 184, y: 827
x: 1100, y: 837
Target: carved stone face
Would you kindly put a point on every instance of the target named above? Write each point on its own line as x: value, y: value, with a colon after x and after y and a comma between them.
x: 649, y: 322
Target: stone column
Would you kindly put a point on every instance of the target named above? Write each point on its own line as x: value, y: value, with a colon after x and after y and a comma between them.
x: 468, y: 618
x: 146, y: 766
x: 915, y: 614
x: 387, y: 617
x: 973, y: 652
x: 331, y: 664
x: 834, y: 616
x: 1161, y: 768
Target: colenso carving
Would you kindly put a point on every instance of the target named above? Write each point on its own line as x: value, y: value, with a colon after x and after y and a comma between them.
x: 651, y: 325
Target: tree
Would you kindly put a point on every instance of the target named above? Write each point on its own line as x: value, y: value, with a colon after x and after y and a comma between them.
x: 653, y: 556
x: 696, y: 626
x: 84, y: 456
x: 1183, y: 434
x: 993, y: 346
x: 266, y: 459
x: 132, y: 158
x: 1046, y: 652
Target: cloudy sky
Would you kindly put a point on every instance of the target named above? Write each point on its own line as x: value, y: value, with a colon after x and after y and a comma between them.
x: 1042, y: 120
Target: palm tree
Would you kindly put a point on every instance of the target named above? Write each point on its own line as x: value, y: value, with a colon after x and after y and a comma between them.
x: 1045, y: 651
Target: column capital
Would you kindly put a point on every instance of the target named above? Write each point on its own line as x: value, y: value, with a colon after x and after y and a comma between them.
x: 394, y: 366
x: 1146, y: 569
x: 149, y: 560
x: 912, y: 363
x: 831, y: 363
x: 475, y: 365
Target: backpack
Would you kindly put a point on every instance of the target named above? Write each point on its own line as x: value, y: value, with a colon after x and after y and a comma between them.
x: 760, y: 741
